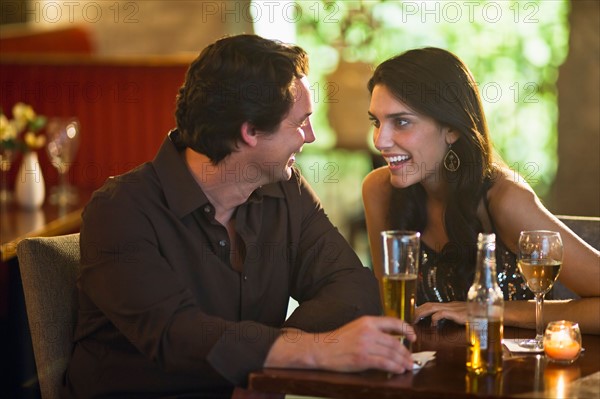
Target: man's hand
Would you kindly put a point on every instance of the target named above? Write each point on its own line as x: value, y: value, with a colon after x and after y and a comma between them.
x: 365, y: 343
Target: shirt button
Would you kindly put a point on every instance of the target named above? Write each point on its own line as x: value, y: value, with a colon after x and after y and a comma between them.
x: 207, y: 209
x: 245, y: 278
x: 222, y: 243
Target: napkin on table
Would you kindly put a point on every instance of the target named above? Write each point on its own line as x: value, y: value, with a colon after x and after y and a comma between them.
x: 512, y: 344
x: 422, y: 358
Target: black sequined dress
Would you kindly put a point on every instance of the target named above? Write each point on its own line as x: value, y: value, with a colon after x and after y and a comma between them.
x: 443, y: 278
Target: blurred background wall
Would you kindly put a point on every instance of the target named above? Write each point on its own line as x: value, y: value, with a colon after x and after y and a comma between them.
x: 133, y: 27
x: 576, y: 189
x: 546, y: 126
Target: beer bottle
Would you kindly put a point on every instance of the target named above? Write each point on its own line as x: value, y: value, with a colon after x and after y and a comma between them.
x: 485, y: 308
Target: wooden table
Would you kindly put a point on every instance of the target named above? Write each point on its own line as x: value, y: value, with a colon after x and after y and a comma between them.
x: 50, y: 220
x: 523, y: 376
x: 17, y: 224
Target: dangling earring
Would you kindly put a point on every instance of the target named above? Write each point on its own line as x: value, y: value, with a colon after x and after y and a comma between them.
x: 451, y: 160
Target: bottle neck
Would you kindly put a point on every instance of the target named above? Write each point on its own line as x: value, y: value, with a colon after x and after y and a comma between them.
x: 485, y: 271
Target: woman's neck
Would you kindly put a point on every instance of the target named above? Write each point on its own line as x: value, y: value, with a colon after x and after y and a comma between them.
x: 436, y: 188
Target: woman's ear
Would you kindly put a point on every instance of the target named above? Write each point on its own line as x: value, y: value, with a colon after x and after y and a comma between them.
x: 451, y: 135
x: 249, y: 134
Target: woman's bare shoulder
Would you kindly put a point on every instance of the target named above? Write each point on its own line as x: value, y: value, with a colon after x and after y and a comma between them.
x: 377, y: 182
x: 514, y: 206
x: 376, y: 193
x: 377, y: 176
x: 508, y: 186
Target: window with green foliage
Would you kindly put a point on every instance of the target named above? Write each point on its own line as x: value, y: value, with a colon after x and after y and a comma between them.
x: 513, y: 48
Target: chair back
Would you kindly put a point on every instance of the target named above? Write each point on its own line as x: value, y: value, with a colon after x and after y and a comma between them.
x: 586, y: 227
x: 49, y: 268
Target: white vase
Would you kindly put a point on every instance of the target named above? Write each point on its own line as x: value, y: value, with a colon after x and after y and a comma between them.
x: 30, y: 188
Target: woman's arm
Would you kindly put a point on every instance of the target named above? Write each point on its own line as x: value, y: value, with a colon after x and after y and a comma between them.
x: 521, y: 314
x: 515, y: 207
x: 376, y: 191
x: 585, y: 311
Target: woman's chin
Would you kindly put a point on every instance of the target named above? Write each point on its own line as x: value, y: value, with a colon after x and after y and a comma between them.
x: 402, y: 181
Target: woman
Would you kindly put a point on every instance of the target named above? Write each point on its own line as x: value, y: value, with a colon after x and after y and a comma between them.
x: 441, y: 180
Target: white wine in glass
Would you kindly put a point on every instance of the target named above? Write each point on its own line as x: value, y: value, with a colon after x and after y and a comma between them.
x: 63, y: 143
x: 539, y: 259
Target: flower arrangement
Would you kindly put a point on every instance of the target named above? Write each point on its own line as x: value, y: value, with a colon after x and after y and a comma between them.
x: 22, y: 132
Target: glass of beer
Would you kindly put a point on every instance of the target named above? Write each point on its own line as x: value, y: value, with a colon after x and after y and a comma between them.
x: 400, y: 266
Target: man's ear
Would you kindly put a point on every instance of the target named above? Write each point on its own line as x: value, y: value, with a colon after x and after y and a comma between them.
x: 249, y: 134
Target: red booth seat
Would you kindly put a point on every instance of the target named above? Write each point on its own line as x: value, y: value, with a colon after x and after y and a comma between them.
x: 69, y: 40
x: 125, y: 105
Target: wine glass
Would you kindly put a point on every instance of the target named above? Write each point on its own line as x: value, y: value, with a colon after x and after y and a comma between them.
x: 63, y: 142
x: 539, y: 258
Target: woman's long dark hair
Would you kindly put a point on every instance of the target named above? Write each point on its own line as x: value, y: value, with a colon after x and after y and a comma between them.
x: 436, y: 83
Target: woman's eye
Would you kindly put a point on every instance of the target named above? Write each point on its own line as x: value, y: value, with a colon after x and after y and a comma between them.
x: 401, y: 122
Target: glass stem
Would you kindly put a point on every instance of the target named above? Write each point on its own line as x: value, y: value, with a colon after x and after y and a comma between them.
x: 3, y: 189
x: 62, y: 181
x: 539, y: 320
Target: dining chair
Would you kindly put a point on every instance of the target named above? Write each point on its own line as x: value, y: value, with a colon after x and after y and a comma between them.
x: 586, y: 227
x: 49, y: 267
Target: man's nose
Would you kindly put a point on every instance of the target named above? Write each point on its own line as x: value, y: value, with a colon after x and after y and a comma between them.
x: 309, y: 134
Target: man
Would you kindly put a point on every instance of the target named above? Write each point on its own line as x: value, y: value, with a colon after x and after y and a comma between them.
x: 188, y: 261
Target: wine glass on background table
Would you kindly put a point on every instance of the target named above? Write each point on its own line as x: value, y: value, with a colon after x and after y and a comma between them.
x: 400, y: 268
x: 63, y: 143
x: 539, y: 258
x: 6, y: 158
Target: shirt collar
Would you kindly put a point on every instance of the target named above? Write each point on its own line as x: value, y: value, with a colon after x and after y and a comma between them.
x: 182, y: 192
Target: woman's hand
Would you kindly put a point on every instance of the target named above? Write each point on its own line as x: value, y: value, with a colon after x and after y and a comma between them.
x: 455, y: 311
